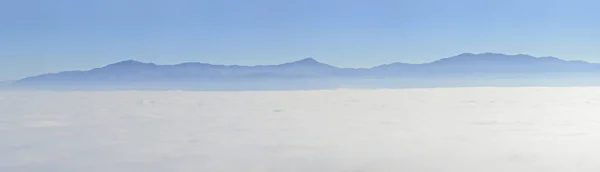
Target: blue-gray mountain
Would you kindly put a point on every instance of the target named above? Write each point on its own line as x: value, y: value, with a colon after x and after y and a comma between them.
x: 487, y: 65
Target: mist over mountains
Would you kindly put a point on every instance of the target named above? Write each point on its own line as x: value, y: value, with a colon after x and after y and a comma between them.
x: 487, y: 69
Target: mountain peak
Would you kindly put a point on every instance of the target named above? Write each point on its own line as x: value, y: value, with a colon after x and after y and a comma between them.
x: 129, y: 63
x: 307, y: 61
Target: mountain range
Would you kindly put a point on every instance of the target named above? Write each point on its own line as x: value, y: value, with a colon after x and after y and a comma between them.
x: 485, y: 65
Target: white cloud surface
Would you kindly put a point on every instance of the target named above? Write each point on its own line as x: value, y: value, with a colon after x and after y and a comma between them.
x: 450, y: 129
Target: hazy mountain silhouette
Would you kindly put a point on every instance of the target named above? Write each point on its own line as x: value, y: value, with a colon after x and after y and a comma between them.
x: 489, y: 63
x: 135, y: 73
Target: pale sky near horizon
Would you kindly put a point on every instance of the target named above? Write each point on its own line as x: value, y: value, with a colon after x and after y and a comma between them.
x: 41, y: 36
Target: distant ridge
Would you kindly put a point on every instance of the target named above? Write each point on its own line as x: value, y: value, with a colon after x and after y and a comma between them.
x: 462, y: 65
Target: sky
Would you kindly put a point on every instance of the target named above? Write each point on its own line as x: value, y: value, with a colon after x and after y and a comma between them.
x: 42, y: 36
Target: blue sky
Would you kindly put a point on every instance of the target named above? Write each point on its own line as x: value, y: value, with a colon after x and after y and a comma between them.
x: 40, y: 36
